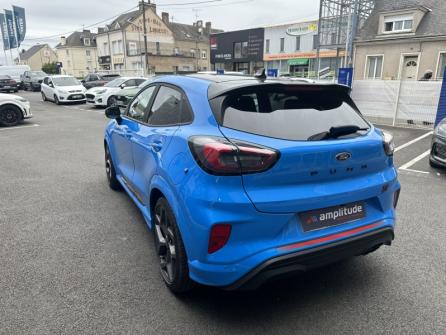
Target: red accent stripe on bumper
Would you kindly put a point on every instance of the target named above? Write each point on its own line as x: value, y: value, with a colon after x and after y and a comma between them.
x: 329, y: 238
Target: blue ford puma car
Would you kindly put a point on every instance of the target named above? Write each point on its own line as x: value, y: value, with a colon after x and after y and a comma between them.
x: 243, y: 179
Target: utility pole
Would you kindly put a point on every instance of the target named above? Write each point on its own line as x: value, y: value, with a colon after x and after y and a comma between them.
x: 143, y: 8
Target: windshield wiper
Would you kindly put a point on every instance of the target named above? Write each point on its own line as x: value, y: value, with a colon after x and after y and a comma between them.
x: 336, y: 132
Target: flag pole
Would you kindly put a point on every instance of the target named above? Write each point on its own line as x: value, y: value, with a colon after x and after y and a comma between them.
x: 15, y: 36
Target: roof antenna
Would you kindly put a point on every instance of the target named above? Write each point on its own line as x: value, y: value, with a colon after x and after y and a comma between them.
x: 261, y: 74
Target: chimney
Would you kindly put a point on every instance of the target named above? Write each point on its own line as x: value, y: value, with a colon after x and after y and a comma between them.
x: 63, y: 40
x: 165, y: 17
x: 208, y: 28
x: 147, y: 4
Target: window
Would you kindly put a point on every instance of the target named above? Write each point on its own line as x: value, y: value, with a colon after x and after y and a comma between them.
x: 133, y: 48
x: 398, y: 24
x: 89, y: 65
x: 441, y: 65
x: 176, y: 51
x: 204, y: 54
x: 105, y: 50
x: 374, y: 67
x: 87, y: 42
x: 192, y: 51
x: 117, y: 47
x: 289, y: 112
x: 315, y: 42
x: 297, y: 43
x: 158, y: 48
x: 138, y: 107
x: 68, y: 63
x: 282, y: 44
x: 67, y: 52
x: 267, y: 46
x: 166, y: 108
x: 240, y: 50
x: 88, y: 53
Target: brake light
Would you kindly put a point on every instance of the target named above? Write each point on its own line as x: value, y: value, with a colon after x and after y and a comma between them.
x: 11, y: 81
x: 218, y: 237
x: 219, y: 156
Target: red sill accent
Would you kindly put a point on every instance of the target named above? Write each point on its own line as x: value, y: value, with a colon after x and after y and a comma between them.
x: 330, y: 237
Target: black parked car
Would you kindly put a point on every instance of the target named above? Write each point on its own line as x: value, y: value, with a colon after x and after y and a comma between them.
x: 31, y: 80
x: 97, y: 80
x: 438, y: 151
x: 7, y: 84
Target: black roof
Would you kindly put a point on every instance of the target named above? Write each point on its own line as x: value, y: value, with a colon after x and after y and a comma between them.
x: 76, y: 39
x: 221, y: 84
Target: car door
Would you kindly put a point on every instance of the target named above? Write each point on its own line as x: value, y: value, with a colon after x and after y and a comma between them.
x: 46, y: 89
x: 122, y: 136
x: 151, y: 141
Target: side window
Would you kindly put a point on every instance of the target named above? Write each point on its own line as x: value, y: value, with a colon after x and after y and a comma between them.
x: 140, y: 81
x: 88, y: 78
x: 138, y: 107
x: 130, y: 83
x: 166, y: 108
x: 45, y: 80
x: 94, y: 77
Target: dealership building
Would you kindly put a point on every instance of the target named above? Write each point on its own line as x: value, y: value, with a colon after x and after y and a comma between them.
x: 289, y: 49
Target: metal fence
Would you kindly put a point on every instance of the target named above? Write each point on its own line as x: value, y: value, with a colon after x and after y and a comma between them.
x: 123, y: 72
x: 405, y: 103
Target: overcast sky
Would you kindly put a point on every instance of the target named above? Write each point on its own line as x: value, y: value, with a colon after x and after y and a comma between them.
x: 56, y: 17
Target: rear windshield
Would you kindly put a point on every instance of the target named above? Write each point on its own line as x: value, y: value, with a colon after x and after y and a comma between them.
x: 65, y: 81
x: 4, y: 77
x: 290, y: 112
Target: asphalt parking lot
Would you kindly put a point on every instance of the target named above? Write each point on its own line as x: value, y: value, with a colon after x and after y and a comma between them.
x: 77, y: 258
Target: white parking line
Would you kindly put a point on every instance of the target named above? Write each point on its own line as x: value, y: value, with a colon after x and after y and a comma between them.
x: 405, y: 145
x: 19, y: 127
x: 414, y: 161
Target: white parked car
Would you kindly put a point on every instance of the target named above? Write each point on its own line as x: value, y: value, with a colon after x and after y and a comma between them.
x: 60, y: 89
x: 105, y: 96
x: 13, y: 110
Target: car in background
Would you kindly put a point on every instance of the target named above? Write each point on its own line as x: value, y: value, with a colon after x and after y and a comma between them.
x: 61, y: 88
x: 105, y: 96
x: 126, y: 95
x: 98, y: 80
x: 7, y: 84
x: 32, y: 80
x: 437, y: 157
x: 13, y: 110
x: 243, y: 179
x: 15, y: 72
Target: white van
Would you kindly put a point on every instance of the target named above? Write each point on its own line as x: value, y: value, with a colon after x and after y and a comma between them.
x: 14, y: 71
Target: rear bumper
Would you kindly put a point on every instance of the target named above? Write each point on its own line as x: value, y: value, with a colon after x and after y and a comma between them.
x: 308, y: 259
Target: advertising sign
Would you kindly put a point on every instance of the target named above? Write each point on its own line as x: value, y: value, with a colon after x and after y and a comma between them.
x: 4, y: 29
x: 20, y: 23
x: 10, y: 26
x: 302, y: 29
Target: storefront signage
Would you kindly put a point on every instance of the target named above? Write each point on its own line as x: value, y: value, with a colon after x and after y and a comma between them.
x: 299, y: 61
x: 118, y: 59
x: 302, y: 29
x: 323, y: 54
x: 223, y: 56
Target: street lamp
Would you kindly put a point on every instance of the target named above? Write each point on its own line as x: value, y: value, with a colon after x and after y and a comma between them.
x: 139, y: 42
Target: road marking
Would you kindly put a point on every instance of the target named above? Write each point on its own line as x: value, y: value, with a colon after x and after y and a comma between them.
x: 415, y: 171
x: 405, y: 145
x: 415, y: 160
x: 19, y: 127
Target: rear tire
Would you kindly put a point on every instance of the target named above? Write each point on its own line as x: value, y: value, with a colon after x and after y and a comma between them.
x: 10, y: 116
x: 43, y: 96
x: 170, y: 249
x: 111, y: 101
x: 56, y: 100
x: 111, y: 172
x: 435, y: 165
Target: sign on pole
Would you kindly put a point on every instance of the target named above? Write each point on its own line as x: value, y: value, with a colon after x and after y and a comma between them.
x: 20, y: 23
x: 10, y: 26
x: 345, y: 76
x: 4, y: 29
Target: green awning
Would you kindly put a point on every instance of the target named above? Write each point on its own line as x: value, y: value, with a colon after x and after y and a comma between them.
x: 298, y: 61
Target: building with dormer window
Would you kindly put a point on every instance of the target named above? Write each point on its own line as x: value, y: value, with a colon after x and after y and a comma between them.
x: 402, y: 39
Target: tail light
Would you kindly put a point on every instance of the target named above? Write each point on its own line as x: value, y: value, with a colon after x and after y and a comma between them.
x: 12, y: 82
x: 218, y: 237
x: 396, y: 197
x: 219, y: 156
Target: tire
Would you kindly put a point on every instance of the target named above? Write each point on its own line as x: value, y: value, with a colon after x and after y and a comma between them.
x: 170, y: 249
x: 111, y: 172
x: 56, y: 100
x: 434, y: 165
x: 43, y: 96
x: 10, y: 116
x: 111, y: 101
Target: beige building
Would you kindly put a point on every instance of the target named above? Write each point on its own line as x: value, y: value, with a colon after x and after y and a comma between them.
x: 402, y: 39
x: 78, y: 54
x: 171, y: 47
x: 37, y: 56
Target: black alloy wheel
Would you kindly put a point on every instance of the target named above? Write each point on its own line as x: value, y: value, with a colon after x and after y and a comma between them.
x: 111, y: 101
x: 169, y: 245
x: 56, y: 100
x: 111, y: 172
x: 10, y: 116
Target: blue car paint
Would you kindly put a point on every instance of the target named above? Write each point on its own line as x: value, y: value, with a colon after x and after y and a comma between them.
x: 263, y: 216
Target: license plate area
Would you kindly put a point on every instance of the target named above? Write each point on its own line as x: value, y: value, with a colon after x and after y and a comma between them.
x: 332, y: 216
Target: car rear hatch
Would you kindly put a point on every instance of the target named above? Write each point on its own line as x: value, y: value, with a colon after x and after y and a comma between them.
x: 315, y: 168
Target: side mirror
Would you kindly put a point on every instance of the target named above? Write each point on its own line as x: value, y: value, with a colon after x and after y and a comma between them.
x: 113, y: 112
x: 51, y: 85
x: 83, y: 81
x: 122, y: 86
